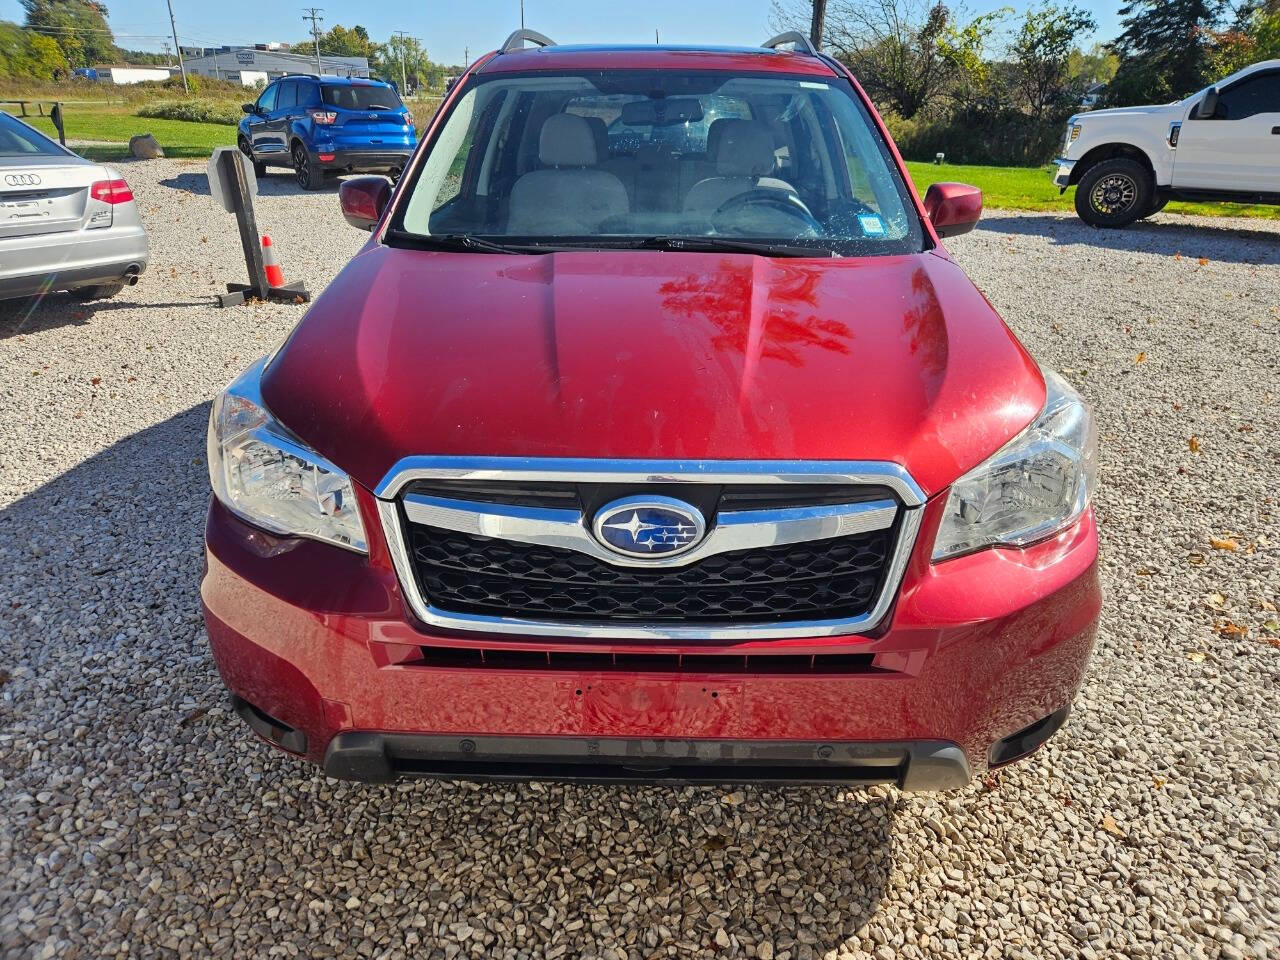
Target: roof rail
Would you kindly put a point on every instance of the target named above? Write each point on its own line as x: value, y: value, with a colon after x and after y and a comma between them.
x: 517, y: 39
x: 791, y: 36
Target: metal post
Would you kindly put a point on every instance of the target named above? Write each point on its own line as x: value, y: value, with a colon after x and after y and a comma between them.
x: 521, y: 14
x: 181, y: 66
x: 313, y: 14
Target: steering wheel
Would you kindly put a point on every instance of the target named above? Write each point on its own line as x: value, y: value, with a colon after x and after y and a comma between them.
x: 787, y: 204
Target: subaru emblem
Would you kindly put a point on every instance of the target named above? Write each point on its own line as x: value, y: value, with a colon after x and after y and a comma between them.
x: 649, y: 526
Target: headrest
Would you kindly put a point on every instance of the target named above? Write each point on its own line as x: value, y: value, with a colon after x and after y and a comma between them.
x: 601, y: 133
x: 714, y: 133
x: 745, y: 149
x: 566, y: 141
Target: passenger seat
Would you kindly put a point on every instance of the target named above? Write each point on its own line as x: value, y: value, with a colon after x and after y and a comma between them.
x: 569, y: 198
x: 744, y: 159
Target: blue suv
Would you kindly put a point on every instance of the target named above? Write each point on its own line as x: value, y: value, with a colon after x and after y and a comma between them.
x: 320, y: 125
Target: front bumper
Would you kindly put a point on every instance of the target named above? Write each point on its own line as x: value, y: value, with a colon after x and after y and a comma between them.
x: 320, y: 642
x: 1061, y: 173
x: 64, y: 261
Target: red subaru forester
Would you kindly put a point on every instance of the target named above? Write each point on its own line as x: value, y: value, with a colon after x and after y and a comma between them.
x: 653, y: 435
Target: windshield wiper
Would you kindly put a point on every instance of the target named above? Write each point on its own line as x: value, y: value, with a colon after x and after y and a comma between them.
x: 726, y: 245
x: 457, y: 242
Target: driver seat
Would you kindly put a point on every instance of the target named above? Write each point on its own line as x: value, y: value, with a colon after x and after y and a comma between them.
x: 744, y: 159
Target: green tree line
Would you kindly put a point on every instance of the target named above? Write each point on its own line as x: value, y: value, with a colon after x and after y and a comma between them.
x: 998, y: 88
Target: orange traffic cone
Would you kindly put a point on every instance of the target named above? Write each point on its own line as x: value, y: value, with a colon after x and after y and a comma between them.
x: 275, y: 276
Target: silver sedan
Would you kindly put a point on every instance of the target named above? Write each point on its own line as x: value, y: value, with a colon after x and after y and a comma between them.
x: 66, y: 223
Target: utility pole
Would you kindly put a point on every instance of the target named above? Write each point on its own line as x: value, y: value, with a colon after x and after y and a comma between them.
x: 466, y: 56
x: 521, y: 14
x: 313, y: 14
x: 402, y: 37
x: 816, y: 24
x: 181, y: 66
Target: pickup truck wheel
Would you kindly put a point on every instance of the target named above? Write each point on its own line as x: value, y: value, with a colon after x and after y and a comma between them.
x: 1157, y: 204
x: 1114, y: 193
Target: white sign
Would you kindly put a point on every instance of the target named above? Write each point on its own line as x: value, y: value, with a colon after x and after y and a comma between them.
x: 223, y: 192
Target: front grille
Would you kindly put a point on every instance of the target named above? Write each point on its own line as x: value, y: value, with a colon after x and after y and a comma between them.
x: 830, y: 579
x: 480, y: 658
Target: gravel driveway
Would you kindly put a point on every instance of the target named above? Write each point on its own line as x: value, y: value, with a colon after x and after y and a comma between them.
x: 140, y: 818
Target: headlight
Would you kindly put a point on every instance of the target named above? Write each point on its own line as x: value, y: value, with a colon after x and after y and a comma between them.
x: 266, y: 475
x: 1034, y: 486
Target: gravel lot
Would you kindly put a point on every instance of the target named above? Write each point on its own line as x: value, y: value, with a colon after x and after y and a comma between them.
x: 140, y: 818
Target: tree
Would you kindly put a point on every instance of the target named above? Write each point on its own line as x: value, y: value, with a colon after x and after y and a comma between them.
x: 28, y: 56
x: 1256, y: 36
x: 1042, y: 51
x: 79, y: 27
x: 893, y: 46
x: 1164, y: 49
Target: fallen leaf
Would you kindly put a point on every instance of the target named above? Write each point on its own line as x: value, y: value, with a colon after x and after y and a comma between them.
x: 1204, y: 261
x: 1266, y: 605
x: 1194, y: 445
x: 1273, y: 641
x: 1272, y: 626
x: 193, y: 716
x: 1196, y: 656
x: 95, y: 380
x: 1223, y: 543
x: 1141, y: 357
x: 1215, y: 601
x: 1195, y: 558
x: 1109, y: 824
x: 1177, y: 256
x: 1159, y: 782
x: 1228, y: 629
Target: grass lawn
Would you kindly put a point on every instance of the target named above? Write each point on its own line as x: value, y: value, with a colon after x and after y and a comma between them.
x: 116, y: 123
x: 1029, y: 188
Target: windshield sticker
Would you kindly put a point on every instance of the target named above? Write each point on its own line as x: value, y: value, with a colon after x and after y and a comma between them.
x: 872, y: 225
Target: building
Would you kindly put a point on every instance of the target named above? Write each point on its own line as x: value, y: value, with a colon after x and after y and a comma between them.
x: 266, y: 62
x: 123, y: 76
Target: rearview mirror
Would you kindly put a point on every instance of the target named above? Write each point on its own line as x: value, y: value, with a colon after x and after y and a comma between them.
x: 1208, y: 108
x: 661, y: 113
x: 364, y: 200
x: 953, y: 208
x: 249, y: 107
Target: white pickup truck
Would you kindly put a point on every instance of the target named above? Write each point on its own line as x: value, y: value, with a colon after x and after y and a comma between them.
x: 1223, y: 143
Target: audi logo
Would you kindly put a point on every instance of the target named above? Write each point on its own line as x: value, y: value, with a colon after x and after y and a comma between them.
x: 22, y: 179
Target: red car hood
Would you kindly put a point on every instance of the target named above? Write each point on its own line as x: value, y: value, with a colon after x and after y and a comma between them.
x: 659, y: 355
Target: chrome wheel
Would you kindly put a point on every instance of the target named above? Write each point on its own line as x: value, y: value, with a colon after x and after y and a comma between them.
x: 1114, y: 194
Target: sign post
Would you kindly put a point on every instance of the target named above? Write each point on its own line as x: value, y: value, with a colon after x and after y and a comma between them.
x: 233, y: 186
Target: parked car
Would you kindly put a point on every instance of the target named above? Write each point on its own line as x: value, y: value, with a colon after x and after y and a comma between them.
x: 643, y: 465
x: 66, y: 223
x: 327, y: 125
x: 1222, y: 144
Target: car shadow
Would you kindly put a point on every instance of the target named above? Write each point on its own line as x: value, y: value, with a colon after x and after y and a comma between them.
x: 1157, y: 235
x: 31, y: 315
x: 278, y: 182
x: 106, y: 605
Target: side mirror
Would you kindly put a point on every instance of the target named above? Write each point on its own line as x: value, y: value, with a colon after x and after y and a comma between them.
x: 363, y: 200
x: 1208, y: 108
x: 953, y: 208
x: 249, y: 107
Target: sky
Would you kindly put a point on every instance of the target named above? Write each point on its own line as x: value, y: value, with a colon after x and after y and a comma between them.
x: 449, y: 31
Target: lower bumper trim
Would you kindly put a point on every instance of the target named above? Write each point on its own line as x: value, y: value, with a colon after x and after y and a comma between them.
x: 912, y: 764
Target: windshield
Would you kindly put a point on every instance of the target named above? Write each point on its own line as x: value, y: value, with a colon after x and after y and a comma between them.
x: 17, y: 140
x: 361, y: 98
x: 603, y: 159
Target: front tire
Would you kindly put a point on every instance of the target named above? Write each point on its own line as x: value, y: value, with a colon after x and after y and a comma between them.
x: 1157, y: 204
x: 1114, y: 193
x: 259, y: 168
x: 309, y: 176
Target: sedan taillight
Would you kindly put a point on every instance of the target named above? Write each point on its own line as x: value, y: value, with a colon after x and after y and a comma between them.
x: 111, y: 191
x: 325, y: 117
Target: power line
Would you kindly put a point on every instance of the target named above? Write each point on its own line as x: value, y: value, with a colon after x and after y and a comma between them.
x: 313, y: 14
